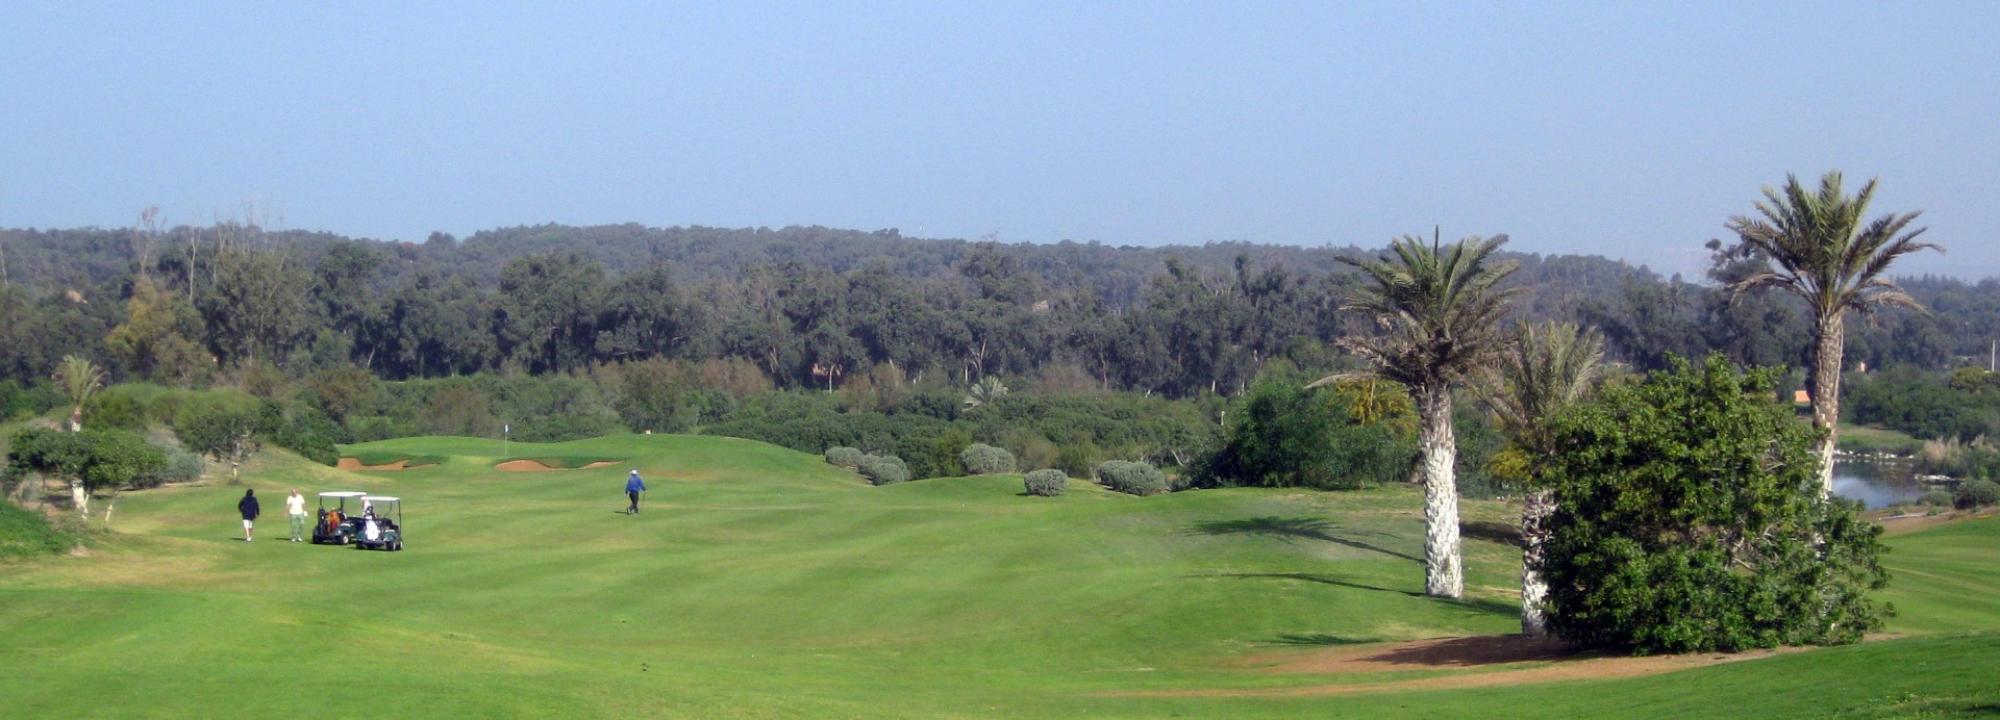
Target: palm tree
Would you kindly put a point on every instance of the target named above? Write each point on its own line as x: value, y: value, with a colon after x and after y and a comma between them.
x: 1825, y: 255
x: 1547, y: 369
x: 79, y: 379
x: 984, y: 392
x: 1439, y: 311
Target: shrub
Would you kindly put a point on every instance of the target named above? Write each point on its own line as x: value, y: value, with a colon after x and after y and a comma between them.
x: 1132, y: 478
x: 1977, y: 493
x: 224, y: 426
x: 1046, y: 483
x: 180, y: 467
x: 983, y: 459
x: 1079, y: 459
x: 1937, y: 498
x: 1288, y: 436
x: 843, y: 456
x: 1686, y: 521
x: 884, y: 469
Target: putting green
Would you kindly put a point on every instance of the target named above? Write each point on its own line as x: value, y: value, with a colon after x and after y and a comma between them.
x: 762, y: 583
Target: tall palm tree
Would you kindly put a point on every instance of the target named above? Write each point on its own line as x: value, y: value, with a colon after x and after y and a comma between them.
x: 1824, y: 254
x: 1438, y: 308
x: 79, y: 379
x: 1546, y: 369
x: 985, y: 392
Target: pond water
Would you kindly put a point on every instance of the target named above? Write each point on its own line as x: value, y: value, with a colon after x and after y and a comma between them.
x: 1876, y: 485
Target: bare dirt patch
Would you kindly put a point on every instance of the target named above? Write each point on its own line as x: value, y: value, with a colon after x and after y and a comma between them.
x: 1485, y: 661
x: 1901, y: 524
x: 348, y: 463
x: 525, y: 466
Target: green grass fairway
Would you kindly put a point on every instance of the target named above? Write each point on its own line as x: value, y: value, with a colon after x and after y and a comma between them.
x: 762, y: 583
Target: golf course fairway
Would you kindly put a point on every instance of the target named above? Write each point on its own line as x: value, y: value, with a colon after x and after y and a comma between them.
x: 762, y: 583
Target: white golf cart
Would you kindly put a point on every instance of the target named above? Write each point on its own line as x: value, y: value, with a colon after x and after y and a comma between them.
x: 380, y: 526
x: 336, y: 525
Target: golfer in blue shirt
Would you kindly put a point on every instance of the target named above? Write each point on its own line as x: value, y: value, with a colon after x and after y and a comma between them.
x: 634, y: 486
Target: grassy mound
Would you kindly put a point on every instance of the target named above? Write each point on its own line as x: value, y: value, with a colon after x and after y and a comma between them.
x: 764, y: 583
x: 27, y: 533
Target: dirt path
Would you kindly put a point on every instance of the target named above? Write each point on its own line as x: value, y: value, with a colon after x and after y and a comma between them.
x: 1488, y: 661
x: 1901, y: 524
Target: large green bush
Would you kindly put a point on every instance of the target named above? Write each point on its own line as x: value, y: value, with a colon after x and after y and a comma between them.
x: 1288, y: 436
x: 1131, y: 478
x: 1976, y: 493
x: 19, y: 401
x: 1046, y: 483
x: 983, y: 459
x: 100, y: 459
x: 1688, y: 520
x: 222, y: 425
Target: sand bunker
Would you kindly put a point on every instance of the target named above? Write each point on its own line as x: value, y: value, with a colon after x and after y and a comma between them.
x: 348, y: 463
x: 539, y: 466
x: 1485, y: 658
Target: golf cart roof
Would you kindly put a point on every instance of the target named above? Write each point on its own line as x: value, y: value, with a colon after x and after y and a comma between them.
x: 342, y: 494
x: 381, y: 498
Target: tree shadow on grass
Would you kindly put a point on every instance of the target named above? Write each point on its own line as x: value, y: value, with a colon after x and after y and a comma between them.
x: 1483, y: 650
x: 1321, y: 579
x: 1320, y: 640
x: 1487, y: 606
x: 1294, y: 529
x: 1499, y: 532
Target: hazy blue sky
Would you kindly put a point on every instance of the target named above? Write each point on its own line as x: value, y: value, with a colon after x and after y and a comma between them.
x: 1627, y: 129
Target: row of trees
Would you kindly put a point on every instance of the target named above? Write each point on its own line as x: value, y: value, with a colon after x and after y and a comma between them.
x: 818, y: 308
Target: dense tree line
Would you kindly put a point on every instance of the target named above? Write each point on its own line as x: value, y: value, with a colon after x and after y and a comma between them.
x: 814, y: 307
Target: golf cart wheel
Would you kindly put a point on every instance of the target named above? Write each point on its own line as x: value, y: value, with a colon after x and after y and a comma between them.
x: 398, y: 547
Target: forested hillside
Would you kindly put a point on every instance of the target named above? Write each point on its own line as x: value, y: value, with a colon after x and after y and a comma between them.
x: 811, y: 306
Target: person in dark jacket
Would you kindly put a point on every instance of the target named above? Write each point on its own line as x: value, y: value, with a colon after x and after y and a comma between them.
x: 634, y: 486
x: 248, y: 507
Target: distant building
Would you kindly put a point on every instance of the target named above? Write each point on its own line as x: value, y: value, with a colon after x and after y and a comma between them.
x: 1801, y: 397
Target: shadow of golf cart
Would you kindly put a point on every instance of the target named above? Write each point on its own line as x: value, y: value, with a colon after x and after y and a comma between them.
x: 338, y: 522
x: 380, y: 526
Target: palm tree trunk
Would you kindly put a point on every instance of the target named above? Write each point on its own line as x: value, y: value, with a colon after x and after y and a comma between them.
x: 1535, y: 510
x: 1829, y: 341
x: 1444, y: 574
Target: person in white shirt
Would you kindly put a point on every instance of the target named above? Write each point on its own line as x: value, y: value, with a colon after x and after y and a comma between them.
x: 295, y: 506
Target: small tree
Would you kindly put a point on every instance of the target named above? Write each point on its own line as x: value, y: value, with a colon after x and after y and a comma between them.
x: 1684, y: 521
x: 93, y: 460
x: 221, y: 427
x: 116, y: 459
x: 79, y: 379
